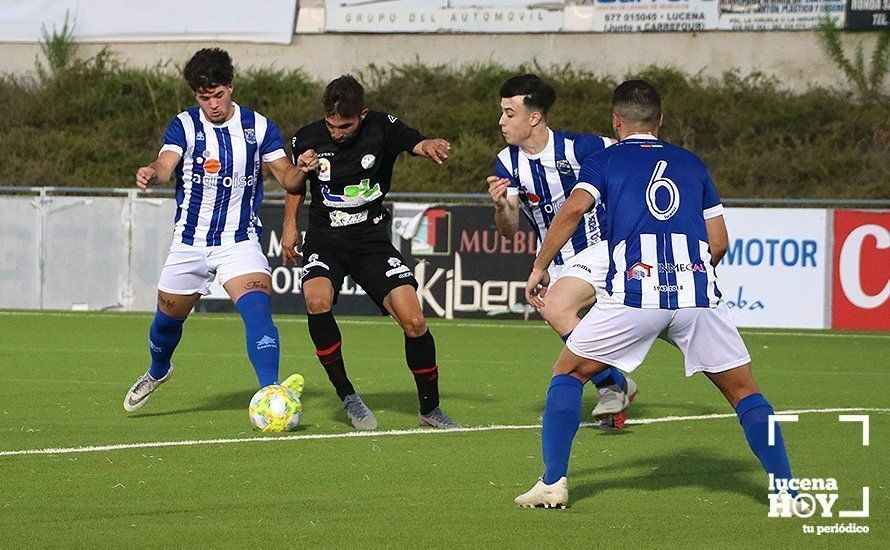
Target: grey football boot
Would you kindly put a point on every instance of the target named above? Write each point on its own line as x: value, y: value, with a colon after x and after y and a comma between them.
x: 358, y: 413
x: 437, y: 418
x: 610, y: 412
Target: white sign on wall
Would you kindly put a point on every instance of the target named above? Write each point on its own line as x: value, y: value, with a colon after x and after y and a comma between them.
x: 489, y: 16
x: 775, y: 273
x: 150, y: 20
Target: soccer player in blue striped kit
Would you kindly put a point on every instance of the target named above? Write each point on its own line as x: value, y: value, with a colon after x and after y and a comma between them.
x: 215, y: 151
x: 664, y: 223
x: 535, y: 173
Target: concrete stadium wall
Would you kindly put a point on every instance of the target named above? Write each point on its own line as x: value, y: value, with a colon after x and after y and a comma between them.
x: 795, y: 58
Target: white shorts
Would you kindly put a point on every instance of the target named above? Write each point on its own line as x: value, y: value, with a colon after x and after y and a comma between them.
x: 591, y: 265
x: 191, y: 269
x: 621, y: 336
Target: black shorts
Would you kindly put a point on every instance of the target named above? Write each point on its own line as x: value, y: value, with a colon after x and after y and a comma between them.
x: 371, y: 260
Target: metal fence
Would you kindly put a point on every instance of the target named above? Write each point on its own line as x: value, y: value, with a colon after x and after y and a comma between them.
x: 441, y: 198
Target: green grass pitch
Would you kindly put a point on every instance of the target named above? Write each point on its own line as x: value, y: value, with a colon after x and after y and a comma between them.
x: 683, y: 483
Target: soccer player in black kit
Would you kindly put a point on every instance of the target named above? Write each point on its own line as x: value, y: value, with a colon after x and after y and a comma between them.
x: 348, y: 158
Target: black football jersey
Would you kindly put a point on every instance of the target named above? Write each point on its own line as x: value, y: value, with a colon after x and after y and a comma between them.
x: 352, y: 179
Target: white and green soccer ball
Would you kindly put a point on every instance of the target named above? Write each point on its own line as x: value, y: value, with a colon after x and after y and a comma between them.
x: 275, y: 409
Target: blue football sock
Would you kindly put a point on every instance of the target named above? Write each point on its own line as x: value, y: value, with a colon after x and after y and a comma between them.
x: 262, y: 337
x: 753, y: 412
x: 609, y: 377
x: 562, y: 416
x: 163, y: 337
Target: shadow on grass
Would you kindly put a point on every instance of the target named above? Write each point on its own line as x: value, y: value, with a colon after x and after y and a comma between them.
x: 403, y: 402
x: 644, y: 409
x: 230, y: 401
x: 694, y: 467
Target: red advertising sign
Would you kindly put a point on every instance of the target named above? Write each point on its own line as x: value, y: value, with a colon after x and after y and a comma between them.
x: 861, y: 274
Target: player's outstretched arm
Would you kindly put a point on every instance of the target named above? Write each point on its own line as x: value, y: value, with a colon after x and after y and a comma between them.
x: 290, y: 235
x: 561, y: 228
x: 291, y: 178
x: 158, y: 171
x: 718, y: 238
x: 436, y: 149
x: 506, y: 207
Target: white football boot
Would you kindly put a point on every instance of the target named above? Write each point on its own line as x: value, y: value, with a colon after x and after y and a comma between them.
x: 612, y: 401
x: 545, y: 496
x: 142, y: 389
x: 610, y: 412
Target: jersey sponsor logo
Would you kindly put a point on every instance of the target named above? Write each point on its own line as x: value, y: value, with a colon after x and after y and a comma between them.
x: 211, y: 177
x: 250, y: 136
x: 324, y: 170
x: 211, y: 165
x: 639, y: 271
x: 199, y: 136
x: 353, y: 195
x: 368, y: 161
x: 682, y: 268
x: 392, y: 118
x: 342, y: 219
x: 530, y: 197
x: 563, y: 166
x: 235, y: 181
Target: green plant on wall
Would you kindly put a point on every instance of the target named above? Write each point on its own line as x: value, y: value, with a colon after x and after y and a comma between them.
x: 866, y: 81
x: 58, y: 48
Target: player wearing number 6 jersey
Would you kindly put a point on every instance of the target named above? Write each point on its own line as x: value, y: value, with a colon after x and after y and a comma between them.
x: 666, y: 233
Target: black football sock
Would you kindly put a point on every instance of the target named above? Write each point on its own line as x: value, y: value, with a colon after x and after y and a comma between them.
x: 420, y: 353
x: 326, y: 336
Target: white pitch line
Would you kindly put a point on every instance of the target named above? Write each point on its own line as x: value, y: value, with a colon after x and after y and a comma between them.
x: 417, y: 431
x: 533, y: 325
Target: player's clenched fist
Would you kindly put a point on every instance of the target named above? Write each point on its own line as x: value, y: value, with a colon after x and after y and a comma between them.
x: 497, y: 188
x: 308, y: 161
x: 146, y: 176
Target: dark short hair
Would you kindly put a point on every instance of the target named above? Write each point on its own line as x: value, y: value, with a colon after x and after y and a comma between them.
x: 539, y: 96
x: 344, y: 96
x: 209, y: 68
x: 637, y: 101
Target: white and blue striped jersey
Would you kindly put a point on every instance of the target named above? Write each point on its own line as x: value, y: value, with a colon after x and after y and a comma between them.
x: 657, y: 197
x: 544, y: 182
x: 219, y: 179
